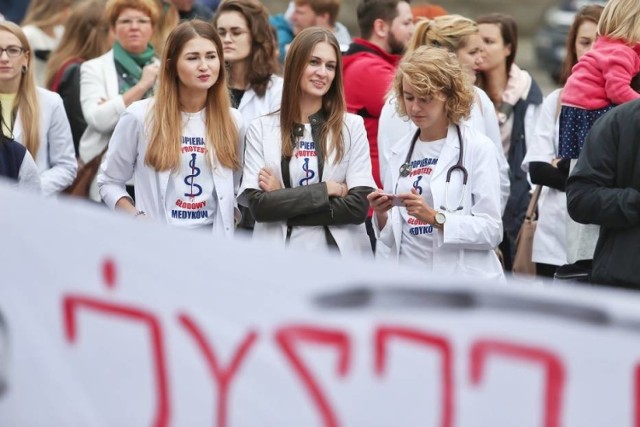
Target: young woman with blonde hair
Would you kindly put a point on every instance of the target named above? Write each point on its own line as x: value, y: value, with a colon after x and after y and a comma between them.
x: 87, y: 36
x: 460, y: 36
x: 34, y: 116
x: 44, y: 24
x: 184, y: 145
x: 440, y: 208
x: 307, y: 168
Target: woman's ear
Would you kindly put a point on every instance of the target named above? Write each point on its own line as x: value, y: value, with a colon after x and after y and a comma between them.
x: 507, y: 49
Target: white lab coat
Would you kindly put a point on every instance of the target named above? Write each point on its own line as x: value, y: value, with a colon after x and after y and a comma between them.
x: 392, y: 127
x: 549, y: 240
x: 466, y: 245
x: 125, y: 160
x: 263, y: 149
x: 56, y: 159
x: 252, y: 106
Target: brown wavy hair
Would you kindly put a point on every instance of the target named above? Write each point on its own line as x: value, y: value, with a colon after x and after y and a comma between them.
x: 333, y: 102
x: 591, y: 13
x: 435, y: 72
x: 26, y: 102
x: 262, y: 63
x: 165, y: 121
x: 85, y: 37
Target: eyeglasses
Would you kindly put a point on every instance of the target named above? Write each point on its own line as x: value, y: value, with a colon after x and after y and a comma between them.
x: 234, y: 33
x: 12, y: 51
x: 127, y: 22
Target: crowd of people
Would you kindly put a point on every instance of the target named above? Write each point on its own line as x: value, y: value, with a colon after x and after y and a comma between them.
x: 419, y: 142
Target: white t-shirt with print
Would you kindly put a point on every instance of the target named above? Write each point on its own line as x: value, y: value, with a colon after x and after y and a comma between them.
x: 191, y: 197
x: 303, y: 170
x: 417, y: 236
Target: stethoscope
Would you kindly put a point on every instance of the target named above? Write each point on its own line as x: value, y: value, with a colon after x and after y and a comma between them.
x: 405, y: 171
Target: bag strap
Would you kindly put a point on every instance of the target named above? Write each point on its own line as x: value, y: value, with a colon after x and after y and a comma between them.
x: 533, y: 204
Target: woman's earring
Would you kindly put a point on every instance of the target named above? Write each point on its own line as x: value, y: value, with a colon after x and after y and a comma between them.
x: 24, y: 69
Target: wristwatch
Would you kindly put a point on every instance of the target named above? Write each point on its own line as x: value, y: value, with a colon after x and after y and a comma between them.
x: 440, y: 219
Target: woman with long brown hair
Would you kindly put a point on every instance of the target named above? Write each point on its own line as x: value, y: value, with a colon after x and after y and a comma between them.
x: 249, y: 46
x: 543, y: 162
x: 307, y: 170
x: 184, y: 145
x: 516, y: 98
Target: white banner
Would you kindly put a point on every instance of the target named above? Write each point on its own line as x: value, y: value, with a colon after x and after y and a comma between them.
x: 109, y: 321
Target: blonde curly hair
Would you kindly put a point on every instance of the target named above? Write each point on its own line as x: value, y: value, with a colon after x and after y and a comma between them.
x: 434, y: 72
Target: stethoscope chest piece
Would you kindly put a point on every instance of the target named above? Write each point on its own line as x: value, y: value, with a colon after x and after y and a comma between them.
x: 405, y: 169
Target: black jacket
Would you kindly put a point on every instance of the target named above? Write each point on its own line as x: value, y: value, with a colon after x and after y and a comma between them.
x: 309, y: 205
x: 69, y: 91
x: 604, y: 189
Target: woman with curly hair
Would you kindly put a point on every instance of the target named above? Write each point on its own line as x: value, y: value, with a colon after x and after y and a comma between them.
x: 440, y: 207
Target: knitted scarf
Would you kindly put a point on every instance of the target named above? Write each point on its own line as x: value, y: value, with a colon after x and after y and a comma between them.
x: 130, y: 65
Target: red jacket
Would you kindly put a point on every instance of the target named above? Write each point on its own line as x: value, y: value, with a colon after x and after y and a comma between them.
x: 603, y: 76
x: 368, y: 74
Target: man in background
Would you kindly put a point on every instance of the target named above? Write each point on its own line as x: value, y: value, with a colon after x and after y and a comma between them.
x: 303, y: 14
x: 370, y: 63
x: 188, y: 9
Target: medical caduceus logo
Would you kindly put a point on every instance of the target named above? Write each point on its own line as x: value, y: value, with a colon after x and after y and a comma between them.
x: 309, y: 174
x: 189, y: 180
x: 416, y: 185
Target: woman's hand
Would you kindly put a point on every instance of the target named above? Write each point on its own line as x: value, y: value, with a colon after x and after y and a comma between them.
x: 380, y: 205
x: 149, y: 75
x: 268, y: 181
x: 417, y: 207
x: 337, y: 189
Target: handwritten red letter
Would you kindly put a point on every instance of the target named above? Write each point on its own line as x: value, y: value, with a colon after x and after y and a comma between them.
x: 72, y: 303
x: 440, y: 343
x: 552, y: 364
x: 223, y: 377
x: 287, y: 337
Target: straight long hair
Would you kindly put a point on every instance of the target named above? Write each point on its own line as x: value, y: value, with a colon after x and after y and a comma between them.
x: 26, y: 103
x: 86, y: 36
x: 165, y: 120
x: 333, y: 102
